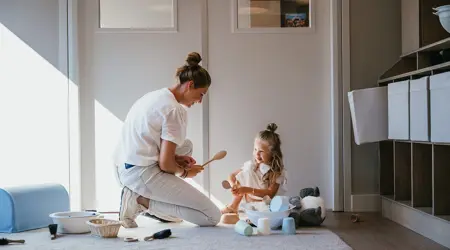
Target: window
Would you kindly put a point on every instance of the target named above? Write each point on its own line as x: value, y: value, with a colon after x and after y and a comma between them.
x: 145, y: 15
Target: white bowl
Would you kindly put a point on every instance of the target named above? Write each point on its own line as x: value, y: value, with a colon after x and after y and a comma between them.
x: 73, y: 222
x: 442, y: 8
x: 275, y: 218
x: 444, y: 16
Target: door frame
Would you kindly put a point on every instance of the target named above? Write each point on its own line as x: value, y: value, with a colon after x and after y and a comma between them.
x: 346, y: 118
x: 205, y: 101
x: 340, y: 115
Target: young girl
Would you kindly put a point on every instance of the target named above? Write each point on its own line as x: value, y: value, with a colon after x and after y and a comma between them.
x: 262, y: 176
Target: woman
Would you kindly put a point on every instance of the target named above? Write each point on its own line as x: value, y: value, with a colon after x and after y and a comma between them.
x: 153, y: 154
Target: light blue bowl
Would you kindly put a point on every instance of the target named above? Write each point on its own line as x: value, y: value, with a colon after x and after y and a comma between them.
x: 442, y: 8
x: 443, y: 12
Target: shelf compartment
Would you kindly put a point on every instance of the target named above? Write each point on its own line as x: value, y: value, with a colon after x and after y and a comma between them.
x: 422, y: 172
x: 402, y: 171
x: 421, y: 72
x: 401, y: 67
x: 434, y: 47
x: 441, y: 175
x: 386, y: 168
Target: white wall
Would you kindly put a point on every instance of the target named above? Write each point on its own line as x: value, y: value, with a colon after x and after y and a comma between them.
x: 250, y: 73
x: 262, y: 78
x: 115, y: 70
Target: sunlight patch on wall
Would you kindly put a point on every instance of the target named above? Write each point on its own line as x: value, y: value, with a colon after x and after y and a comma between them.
x: 107, y: 131
x: 34, y: 109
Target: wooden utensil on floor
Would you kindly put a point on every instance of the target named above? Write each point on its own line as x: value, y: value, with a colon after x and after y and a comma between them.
x: 53, y: 228
x: 218, y: 156
x: 5, y: 241
x: 166, y: 233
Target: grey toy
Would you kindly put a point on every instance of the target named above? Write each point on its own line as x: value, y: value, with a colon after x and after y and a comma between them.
x: 309, y: 208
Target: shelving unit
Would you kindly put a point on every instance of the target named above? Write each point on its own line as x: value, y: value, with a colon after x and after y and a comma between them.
x: 417, y: 63
x: 415, y: 186
x: 414, y: 175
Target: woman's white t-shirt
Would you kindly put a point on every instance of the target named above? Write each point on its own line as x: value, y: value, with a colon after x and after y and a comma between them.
x: 155, y: 116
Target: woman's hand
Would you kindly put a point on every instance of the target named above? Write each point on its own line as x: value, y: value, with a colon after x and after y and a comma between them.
x: 193, y: 171
x: 185, y: 161
x: 240, y: 191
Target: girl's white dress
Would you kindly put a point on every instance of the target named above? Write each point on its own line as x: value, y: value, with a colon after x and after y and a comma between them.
x: 252, y: 177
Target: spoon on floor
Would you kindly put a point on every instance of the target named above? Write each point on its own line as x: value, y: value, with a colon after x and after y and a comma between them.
x: 5, y: 241
x: 218, y: 156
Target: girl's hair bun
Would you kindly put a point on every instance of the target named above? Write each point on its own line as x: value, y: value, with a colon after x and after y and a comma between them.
x: 272, y: 127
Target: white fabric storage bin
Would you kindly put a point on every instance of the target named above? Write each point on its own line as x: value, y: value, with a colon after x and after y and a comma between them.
x: 440, y: 107
x: 418, y: 111
x: 369, y: 113
x: 398, y: 110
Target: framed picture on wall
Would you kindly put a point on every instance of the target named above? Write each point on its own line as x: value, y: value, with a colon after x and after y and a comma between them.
x: 296, y: 20
x: 272, y: 16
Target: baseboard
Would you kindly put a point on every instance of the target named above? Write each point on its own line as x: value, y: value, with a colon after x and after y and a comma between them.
x: 421, y: 222
x: 366, y: 203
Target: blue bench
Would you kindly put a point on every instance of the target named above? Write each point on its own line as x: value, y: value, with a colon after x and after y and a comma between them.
x: 28, y: 207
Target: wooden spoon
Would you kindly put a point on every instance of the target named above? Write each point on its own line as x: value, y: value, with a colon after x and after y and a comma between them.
x: 218, y: 156
x: 226, y: 185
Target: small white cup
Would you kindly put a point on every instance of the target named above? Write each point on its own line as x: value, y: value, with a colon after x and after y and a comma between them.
x: 263, y: 226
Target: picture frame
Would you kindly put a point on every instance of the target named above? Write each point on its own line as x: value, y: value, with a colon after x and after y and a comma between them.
x: 284, y: 19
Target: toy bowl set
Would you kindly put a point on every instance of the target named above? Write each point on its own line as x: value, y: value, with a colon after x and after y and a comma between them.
x: 278, y: 209
x: 85, y: 222
x: 73, y: 222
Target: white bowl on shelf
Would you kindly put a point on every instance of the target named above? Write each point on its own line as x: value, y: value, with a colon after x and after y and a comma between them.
x: 443, y: 12
x: 73, y: 222
x: 442, y: 8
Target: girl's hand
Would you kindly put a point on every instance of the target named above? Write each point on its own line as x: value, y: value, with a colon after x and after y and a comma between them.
x: 185, y: 161
x: 240, y: 191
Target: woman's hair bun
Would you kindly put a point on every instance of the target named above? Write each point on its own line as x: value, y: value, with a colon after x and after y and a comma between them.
x: 193, y: 59
x: 272, y: 127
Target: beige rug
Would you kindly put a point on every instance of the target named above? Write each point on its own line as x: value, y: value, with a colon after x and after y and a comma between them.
x: 184, y: 236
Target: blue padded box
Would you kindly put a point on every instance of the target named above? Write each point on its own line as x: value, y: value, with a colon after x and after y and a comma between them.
x: 28, y: 207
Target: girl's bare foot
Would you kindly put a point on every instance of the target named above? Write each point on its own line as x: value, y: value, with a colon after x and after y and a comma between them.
x: 229, y: 209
